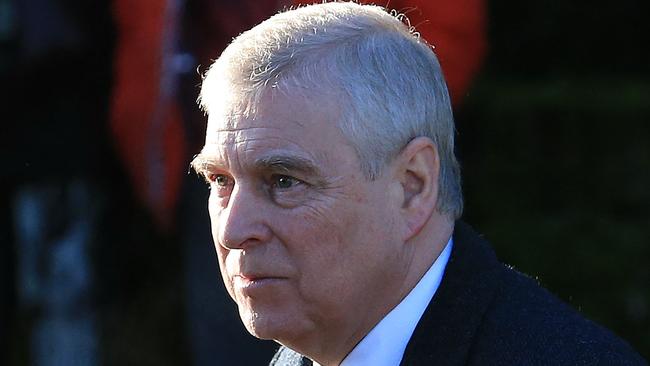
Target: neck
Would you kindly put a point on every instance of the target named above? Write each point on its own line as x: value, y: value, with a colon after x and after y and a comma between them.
x: 425, y: 247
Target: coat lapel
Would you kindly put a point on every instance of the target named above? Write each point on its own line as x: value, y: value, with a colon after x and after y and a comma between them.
x: 446, y: 331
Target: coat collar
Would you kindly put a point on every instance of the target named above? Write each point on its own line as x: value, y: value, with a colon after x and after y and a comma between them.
x: 446, y: 331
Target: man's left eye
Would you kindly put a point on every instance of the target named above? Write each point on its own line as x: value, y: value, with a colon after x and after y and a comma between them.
x: 284, y: 181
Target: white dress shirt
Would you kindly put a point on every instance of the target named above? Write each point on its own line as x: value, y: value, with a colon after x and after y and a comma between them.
x: 386, y: 342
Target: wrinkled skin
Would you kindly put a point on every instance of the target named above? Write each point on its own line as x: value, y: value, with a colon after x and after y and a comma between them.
x: 309, y: 249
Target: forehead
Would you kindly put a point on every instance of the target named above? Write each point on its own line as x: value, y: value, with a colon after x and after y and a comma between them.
x: 284, y: 124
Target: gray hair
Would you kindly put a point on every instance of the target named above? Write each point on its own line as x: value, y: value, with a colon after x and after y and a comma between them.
x: 391, y: 82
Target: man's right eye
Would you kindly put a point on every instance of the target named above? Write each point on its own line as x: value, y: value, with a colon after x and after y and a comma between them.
x: 219, y: 179
x: 220, y: 184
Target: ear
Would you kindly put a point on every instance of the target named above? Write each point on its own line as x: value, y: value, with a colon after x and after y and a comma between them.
x: 418, y: 170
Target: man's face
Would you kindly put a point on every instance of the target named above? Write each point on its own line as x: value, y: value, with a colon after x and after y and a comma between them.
x: 307, y: 246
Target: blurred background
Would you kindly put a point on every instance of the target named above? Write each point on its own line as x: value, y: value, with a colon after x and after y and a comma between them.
x: 105, y: 249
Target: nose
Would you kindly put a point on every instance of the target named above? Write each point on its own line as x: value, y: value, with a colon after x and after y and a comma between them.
x: 241, y: 222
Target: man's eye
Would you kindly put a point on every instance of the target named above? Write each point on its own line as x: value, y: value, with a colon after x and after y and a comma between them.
x: 221, y: 180
x: 218, y: 179
x: 284, y: 182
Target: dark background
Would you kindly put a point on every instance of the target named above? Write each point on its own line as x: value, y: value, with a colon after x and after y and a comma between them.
x: 553, y: 138
x: 555, y: 146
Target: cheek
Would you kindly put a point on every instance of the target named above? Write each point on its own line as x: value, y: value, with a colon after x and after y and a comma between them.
x: 323, y: 233
x: 222, y: 255
x: 321, y: 240
x: 213, y: 212
x: 345, y: 245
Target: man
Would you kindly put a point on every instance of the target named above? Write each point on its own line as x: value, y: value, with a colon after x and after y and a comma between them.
x: 334, y: 199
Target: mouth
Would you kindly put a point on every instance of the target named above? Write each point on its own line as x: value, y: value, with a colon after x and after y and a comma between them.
x: 255, y: 282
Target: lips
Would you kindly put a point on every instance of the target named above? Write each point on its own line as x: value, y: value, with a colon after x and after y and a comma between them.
x: 252, y: 278
x: 256, y: 284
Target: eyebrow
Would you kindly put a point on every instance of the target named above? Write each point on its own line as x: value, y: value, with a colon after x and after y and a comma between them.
x: 283, y: 163
x: 199, y: 163
x: 286, y: 163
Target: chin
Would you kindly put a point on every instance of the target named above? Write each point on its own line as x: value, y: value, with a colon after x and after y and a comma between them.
x: 260, y: 332
x: 258, y: 324
x: 269, y: 325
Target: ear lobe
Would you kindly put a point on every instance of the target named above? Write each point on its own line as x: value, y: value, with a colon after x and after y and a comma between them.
x: 419, y: 170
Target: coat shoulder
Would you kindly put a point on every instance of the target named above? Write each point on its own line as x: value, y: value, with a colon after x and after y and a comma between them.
x: 487, y: 313
x: 527, y: 325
